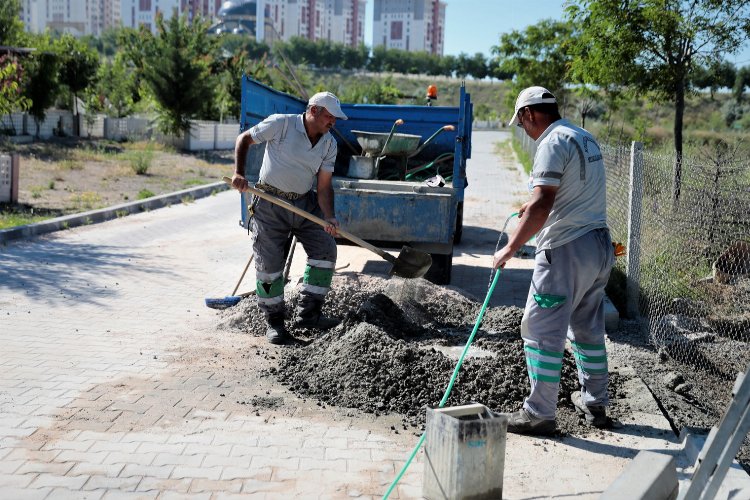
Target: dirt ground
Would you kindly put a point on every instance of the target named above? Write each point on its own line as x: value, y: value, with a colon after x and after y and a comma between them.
x: 65, y: 175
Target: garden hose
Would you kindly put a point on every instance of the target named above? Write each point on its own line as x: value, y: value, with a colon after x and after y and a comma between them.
x: 493, y: 283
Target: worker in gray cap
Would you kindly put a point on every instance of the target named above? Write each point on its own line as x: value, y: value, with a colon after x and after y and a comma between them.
x: 574, y: 255
x: 299, y: 150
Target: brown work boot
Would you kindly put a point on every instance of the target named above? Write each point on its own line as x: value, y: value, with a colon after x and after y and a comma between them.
x: 523, y: 422
x: 595, y: 415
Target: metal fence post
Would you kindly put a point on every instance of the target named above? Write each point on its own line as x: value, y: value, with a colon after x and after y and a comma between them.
x: 635, y: 203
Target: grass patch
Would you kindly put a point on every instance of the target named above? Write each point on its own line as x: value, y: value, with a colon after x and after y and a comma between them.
x: 8, y: 220
x: 522, y: 155
x: 193, y: 182
x: 70, y: 165
x: 145, y: 193
x: 87, y: 200
x: 140, y: 160
x: 20, y: 215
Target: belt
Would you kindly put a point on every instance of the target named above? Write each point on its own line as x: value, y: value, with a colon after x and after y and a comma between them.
x: 267, y: 188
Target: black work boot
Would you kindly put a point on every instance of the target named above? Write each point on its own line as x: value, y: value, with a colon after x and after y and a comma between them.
x: 523, y: 422
x: 594, y: 415
x: 310, y: 316
x: 276, y: 331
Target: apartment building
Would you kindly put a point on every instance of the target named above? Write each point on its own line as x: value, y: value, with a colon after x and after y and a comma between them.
x: 207, y: 9
x: 413, y: 25
x: 135, y: 13
x: 77, y: 17
x: 335, y: 20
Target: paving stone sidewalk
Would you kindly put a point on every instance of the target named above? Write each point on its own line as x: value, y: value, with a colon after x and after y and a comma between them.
x: 112, y: 382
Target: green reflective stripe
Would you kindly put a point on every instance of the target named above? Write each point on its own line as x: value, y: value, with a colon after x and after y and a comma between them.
x: 585, y: 358
x: 543, y: 378
x: 318, y: 276
x: 269, y: 290
x: 540, y: 352
x: 595, y: 371
x: 543, y: 364
x: 547, y: 301
x: 588, y: 347
x: 589, y: 369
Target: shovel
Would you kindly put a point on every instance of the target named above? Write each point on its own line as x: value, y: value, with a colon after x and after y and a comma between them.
x: 410, y: 263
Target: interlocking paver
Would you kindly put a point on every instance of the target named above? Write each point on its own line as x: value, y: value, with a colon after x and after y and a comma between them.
x: 44, y: 480
x: 15, y: 480
x: 242, y: 472
x: 209, y: 485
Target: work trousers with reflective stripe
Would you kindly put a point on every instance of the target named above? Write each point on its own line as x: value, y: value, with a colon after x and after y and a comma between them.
x: 566, y: 300
x: 271, y: 227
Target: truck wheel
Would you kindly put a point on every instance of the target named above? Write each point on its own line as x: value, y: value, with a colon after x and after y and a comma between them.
x: 459, y: 223
x: 440, y: 271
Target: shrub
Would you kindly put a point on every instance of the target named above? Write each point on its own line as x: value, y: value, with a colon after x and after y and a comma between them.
x: 140, y: 161
x: 144, y: 193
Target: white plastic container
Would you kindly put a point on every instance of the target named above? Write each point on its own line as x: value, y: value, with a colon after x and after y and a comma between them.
x: 464, y: 453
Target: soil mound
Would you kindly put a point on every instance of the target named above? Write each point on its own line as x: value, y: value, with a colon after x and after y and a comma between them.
x: 397, y: 347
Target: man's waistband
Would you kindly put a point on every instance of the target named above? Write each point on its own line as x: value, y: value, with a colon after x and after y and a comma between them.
x: 267, y: 188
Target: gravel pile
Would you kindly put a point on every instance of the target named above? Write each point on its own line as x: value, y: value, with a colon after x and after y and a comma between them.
x: 397, y: 347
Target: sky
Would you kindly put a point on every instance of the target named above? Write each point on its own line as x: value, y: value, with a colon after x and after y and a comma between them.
x: 473, y: 26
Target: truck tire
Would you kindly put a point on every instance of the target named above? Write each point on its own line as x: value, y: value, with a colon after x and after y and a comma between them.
x: 440, y: 271
x: 459, y: 223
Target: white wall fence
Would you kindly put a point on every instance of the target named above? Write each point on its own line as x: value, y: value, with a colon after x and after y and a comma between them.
x: 204, y: 135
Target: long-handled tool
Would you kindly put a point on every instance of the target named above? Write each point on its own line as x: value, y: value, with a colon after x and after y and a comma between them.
x: 230, y: 300
x: 233, y: 299
x: 410, y: 263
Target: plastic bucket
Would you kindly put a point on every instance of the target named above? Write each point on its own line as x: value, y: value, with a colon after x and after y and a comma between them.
x: 464, y: 453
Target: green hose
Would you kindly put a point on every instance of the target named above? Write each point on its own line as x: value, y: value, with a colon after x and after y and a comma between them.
x: 452, y: 381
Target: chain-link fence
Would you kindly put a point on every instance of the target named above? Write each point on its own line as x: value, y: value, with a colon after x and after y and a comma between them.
x: 685, y: 278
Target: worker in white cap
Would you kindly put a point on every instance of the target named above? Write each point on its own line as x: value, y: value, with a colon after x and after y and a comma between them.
x: 299, y: 150
x: 574, y: 256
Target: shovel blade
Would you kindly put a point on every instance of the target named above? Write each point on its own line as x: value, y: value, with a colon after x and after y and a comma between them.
x: 411, y: 263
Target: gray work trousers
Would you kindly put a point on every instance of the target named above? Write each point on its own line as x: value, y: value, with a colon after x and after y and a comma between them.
x: 271, y: 226
x: 566, y: 300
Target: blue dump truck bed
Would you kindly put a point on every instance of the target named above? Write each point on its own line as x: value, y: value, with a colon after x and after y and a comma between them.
x: 397, y: 198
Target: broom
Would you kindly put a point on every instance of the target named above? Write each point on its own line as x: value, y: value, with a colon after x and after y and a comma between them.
x: 230, y: 300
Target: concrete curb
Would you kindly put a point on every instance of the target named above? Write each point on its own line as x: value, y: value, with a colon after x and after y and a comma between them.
x: 109, y: 213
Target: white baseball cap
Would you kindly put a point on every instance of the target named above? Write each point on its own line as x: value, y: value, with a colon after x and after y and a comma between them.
x: 328, y: 101
x: 529, y: 97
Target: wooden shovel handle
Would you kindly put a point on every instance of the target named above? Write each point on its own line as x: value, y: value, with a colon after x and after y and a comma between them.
x: 307, y: 215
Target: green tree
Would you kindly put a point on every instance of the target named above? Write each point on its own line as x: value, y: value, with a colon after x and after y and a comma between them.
x: 11, y: 78
x: 717, y: 75
x: 41, y: 87
x: 11, y: 27
x: 651, y: 46
x: 478, y: 66
x: 355, y: 57
x: 78, y: 66
x: 538, y: 55
x: 741, y: 82
x: 175, y: 66
x: 116, y: 87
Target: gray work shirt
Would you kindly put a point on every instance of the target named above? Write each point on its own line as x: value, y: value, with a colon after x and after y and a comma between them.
x: 569, y: 157
x: 291, y: 162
